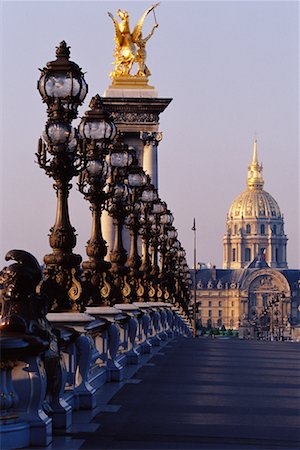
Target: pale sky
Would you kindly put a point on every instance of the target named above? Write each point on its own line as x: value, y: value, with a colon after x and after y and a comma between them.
x: 232, y: 69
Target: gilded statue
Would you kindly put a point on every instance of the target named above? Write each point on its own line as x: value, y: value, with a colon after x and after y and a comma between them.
x: 131, y: 46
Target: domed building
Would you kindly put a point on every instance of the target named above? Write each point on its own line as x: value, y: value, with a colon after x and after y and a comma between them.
x: 254, y: 225
x: 255, y: 292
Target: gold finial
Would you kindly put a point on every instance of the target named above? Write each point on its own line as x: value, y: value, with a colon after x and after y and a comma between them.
x: 255, y: 176
x: 131, y: 46
x: 254, y: 159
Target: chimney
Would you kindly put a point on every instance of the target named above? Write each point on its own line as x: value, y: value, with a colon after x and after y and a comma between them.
x: 214, y: 273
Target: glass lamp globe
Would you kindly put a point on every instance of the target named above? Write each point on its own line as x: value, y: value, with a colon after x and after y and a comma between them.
x: 176, y: 244
x: 120, y: 192
x: 96, y: 124
x: 181, y: 253
x: 97, y: 168
x: 165, y: 219
x: 137, y: 179
x: 119, y: 159
x: 149, y: 194
x: 60, y: 135
x: 151, y: 218
x: 63, y: 79
x: 158, y: 207
x: 172, y: 234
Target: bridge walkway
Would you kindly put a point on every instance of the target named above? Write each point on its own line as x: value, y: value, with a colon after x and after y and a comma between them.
x: 204, y: 393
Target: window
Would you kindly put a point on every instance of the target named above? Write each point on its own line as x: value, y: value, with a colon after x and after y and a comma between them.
x: 199, y: 303
x: 274, y: 229
x: 248, y: 228
x: 233, y: 254
x: 209, y: 304
x: 235, y: 229
x: 276, y: 254
x: 232, y: 304
x: 220, y: 304
x: 262, y: 229
x: 209, y: 313
x: 247, y: 254
x: 220, y: 313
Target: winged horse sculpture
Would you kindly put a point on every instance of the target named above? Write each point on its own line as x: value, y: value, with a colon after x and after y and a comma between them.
x: 130, y: 46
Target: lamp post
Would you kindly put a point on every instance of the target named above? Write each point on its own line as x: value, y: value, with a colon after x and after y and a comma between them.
x: 167, y: 238
x: 149, y: 195
x: 158, y: 208
x: 137, y: 180
x: 98, y: 132
x: 120, y: 158
x: 195, y: 280
x: 63, y: 89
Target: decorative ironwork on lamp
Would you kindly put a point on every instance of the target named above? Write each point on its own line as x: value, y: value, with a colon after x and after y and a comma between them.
x: 63, y: 89
x: 97, y: 130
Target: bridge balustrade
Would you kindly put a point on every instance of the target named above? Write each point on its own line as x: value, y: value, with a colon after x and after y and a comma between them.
x: 38, y: 395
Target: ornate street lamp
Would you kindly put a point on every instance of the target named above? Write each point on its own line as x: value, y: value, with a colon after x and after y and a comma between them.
x: 63, y: 79
x: 137, y: 180
x: 159, y: 208
x: 63, y: 89
x: 98, y: 131
x: 149, y: 195
x: 168, y: 235
x: 119, y: 159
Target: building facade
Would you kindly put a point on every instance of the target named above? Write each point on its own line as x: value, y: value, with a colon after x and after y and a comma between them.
x: 254, y: 225
x: 255, y: 292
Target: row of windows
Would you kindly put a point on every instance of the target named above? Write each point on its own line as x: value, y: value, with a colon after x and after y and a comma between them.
x: 248, y: 254
x: 219, y: 313
x: 262, y: 229
x: 210, y: 303
x: 219, y: 323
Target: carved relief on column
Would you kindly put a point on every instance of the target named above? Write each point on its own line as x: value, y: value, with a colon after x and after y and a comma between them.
x: 151, y: 137
x: 151, y: 141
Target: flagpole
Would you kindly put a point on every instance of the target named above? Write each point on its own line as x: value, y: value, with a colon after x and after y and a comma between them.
x: 195, y: 282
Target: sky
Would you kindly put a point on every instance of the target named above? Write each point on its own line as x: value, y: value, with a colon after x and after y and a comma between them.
x: 232, y: 69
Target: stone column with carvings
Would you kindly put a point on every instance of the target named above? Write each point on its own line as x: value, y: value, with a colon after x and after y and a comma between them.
x: 150, y: 166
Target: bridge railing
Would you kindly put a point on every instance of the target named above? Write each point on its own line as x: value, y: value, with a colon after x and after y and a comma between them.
x: 40, y: 390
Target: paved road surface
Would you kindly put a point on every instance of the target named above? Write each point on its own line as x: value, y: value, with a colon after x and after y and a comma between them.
x: 206, y: 394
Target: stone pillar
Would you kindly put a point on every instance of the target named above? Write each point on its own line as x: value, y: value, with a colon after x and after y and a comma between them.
x: 108, y: 232
x: 150, y: 166
x: 135, y: 109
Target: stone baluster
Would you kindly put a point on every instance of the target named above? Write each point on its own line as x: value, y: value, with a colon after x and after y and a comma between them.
x: 170, y: 320
x: 146, y: 345
x: 133, y: 355
x: 156, y: 339
x: 84, y: 392
x: 114, y: 368
x: 163, y: 320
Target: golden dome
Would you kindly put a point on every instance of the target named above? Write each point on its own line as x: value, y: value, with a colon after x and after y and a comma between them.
x: 255, y: 202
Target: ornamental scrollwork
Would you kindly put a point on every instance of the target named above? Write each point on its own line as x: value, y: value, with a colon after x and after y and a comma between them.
x: 134, y: 117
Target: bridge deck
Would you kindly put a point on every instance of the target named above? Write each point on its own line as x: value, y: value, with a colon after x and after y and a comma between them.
x: 203, y: 394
